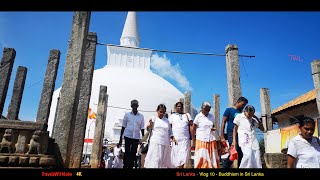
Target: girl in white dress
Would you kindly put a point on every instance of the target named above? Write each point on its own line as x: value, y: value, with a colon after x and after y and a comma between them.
x: 158, y: 155
x: 245, y: 125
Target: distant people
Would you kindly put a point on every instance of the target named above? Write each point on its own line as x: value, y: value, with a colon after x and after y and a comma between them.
x: 109, y: 158
x: 133, y: 123
x: 206, y: 149
x: 228, y: 117
x: 181, y: 127
x: 304, y: 149
x: 159, y: 153
x: 118, y: 160
x: 245, y: 126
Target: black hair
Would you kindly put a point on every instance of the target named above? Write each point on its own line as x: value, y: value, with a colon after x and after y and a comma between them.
x: 249, y: 108
x: 161, y: 106
x: 178, y: 104
x: 306, y: 120
x: 242, y: 99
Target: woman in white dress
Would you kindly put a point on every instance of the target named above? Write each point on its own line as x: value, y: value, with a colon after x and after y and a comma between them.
x: 158, y: 155
x: 181, y: 124
x: 206, y: 149
x: 304, y: 149
x: 245, y: 125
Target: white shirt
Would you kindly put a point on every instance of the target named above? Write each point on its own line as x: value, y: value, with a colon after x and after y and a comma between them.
x: 116, y: 151
x: 180, y: 125
x: 161, y: 131
x: 204, y: 125
x: 133, y: 125
x: 307, y: 155
x: 247, y: 131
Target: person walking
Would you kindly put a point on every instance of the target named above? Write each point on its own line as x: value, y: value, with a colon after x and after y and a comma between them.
x: 181, y: 127
x: 159, y: 152
x: 245, y: 125
x: 228, y: 117
x: 133, y: 123
x: 206, y: 149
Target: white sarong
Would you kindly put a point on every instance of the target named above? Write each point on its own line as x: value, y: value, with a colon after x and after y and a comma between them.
x: 180, y: 152
x: 251, y: 158
x: 158, y: 156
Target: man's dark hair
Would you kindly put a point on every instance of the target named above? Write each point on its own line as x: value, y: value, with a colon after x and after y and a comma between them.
x: 306, y: 120
x: 242, y: 99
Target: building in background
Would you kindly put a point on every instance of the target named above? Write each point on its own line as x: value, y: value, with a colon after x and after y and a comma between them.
x: 303, y: 106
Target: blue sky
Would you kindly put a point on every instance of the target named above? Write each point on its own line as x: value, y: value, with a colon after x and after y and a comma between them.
x: 270, y: 36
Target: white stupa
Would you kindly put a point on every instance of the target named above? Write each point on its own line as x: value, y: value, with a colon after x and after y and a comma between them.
x: 127, y: 76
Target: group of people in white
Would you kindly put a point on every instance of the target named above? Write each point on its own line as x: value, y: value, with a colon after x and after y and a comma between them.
x: 171, y: 139
x: 112, y: 157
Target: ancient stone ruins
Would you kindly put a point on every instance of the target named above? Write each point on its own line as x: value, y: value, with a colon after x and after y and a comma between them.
x: 27, y: 144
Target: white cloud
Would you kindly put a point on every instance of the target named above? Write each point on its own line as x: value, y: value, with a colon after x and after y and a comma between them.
x: 164, y: 68
x: 3, y: 44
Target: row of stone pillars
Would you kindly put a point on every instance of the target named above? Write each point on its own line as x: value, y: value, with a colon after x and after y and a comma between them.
x: 72, y: 109
x: 6, y: 67
x: 25, y: 143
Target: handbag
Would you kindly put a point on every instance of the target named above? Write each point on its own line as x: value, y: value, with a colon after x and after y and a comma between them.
x: 144, y: 148
x: 146, y: 139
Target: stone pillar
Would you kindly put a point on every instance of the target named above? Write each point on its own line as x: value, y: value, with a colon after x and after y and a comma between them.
x: 48, y: 86
x: 187, y: 109
x: 84, y: 100
x: 233, y: 73
x: 216, y: 112
x: 187, y: 102
x: 265, y: 109
x: 68, y: 103
x: 315, y: 66
x: 6, y: 65
x: 99, y: 128
x: 14, y: 107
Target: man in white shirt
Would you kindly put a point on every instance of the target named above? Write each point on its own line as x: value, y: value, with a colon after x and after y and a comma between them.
x: 133, y: 123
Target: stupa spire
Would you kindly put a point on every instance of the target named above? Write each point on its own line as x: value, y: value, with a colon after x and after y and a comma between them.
x: 130, y: 35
